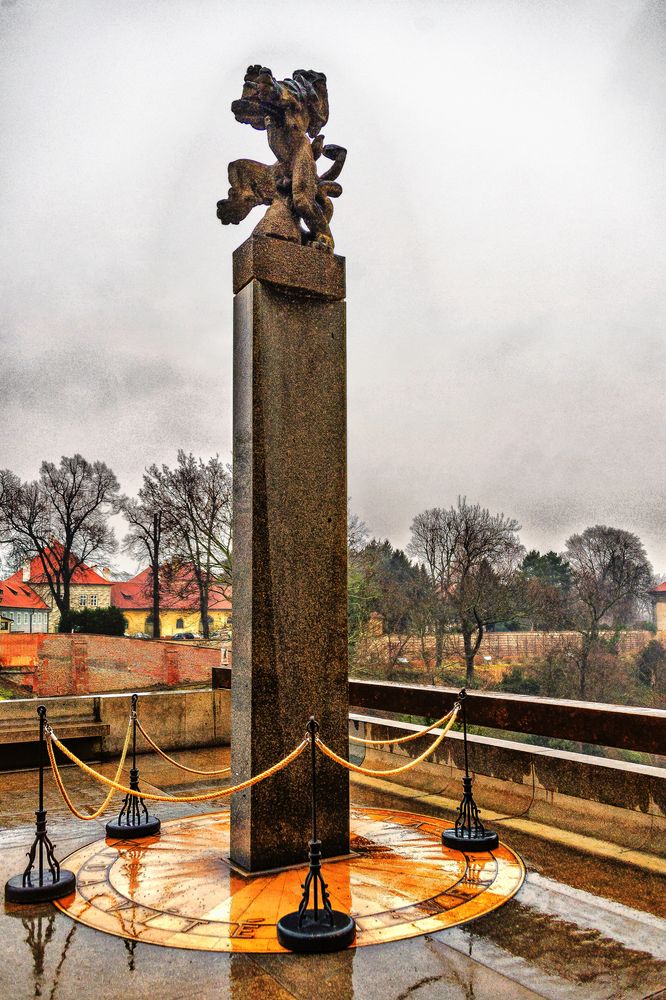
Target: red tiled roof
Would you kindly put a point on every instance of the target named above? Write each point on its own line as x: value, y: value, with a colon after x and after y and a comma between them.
x: 82, y: 574
x: 15, y: 594
x: 137, y: 593
x: 659, y: 589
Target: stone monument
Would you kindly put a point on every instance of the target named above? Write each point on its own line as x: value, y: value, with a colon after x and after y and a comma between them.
x: 290, y: 492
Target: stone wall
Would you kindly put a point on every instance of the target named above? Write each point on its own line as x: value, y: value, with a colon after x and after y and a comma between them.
x: 614, y: 800
x: 176, y: 720
x: 88, y: 664
x: 507, y: 647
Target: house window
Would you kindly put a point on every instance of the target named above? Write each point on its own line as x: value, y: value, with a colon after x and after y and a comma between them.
x: 83, y: 600
x: 93, y: 600
x: 180, y: 623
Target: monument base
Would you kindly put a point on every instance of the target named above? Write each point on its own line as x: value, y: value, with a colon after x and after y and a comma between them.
x: 50, y: 888
x: 315, y: 933
x: 150, y: 827
x: 489, y: 841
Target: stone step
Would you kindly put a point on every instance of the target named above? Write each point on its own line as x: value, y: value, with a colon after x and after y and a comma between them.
x: 13, y: 733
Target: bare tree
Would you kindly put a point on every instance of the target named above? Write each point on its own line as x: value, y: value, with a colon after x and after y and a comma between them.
x: 195, y: 499
x: 9, y: 489
x: 61, y: 518
x: 357, y: 532
x: 472, y: 558
x: 145, y: 541
x: 609, y: 570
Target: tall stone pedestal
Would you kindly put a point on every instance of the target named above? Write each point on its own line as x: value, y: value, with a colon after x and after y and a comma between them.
x: 290, y: 547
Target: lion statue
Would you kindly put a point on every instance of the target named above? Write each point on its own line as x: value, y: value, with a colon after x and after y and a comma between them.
x: 292, y: 112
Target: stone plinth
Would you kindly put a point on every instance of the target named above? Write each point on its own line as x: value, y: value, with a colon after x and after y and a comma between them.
x: 290, y: 547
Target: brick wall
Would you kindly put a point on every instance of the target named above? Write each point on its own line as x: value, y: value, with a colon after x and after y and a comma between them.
x: 91, y: 664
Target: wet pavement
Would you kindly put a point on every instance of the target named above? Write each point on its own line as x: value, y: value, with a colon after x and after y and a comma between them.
x: 581, y: 927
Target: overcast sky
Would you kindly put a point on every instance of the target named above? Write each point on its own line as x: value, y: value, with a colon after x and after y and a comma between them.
x: 502, y: 219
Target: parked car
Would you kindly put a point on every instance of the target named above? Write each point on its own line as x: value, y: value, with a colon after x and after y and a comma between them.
x: 140, y: 635
x: 183, y: 635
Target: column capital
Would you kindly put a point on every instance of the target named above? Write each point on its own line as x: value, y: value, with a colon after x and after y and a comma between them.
x: 296, y: 269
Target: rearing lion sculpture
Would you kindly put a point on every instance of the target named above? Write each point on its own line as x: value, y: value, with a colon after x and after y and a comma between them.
x: 292, y: 112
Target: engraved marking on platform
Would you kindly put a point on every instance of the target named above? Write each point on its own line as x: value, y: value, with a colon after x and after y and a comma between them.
x: 180, y: 890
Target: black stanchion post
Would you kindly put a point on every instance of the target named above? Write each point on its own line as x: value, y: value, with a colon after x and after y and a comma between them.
x: 469, y: 834
x: 50, y: 881
x: 320, y: 928
x: 133, y: 820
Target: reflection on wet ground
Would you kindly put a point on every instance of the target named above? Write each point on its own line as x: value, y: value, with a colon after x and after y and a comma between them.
x: 579, y: 928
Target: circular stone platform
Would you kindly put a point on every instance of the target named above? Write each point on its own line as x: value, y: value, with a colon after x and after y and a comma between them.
x: 179, y: 889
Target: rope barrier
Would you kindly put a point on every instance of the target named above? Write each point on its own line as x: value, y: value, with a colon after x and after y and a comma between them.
x: 204, y: 797
x: 191, y: 770
x: 404, y: 739
x: 115, y: 786
x: 393, y: 770
x: 63, y: 791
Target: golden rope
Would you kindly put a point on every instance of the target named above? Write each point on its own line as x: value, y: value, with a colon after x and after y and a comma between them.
x: 192, y: 770
x: 63, y: 791
x: 393, y: 770
x: 204, y: 797
x: 403, y: 739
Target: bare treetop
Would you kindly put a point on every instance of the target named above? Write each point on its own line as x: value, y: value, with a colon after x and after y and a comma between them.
x: 292, y: 112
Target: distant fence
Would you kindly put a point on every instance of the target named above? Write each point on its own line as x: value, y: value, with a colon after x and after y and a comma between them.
x: 509, y: 647
x: 51, y: 664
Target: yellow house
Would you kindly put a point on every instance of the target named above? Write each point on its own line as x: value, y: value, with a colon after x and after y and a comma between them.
x: 179, y: 606
x: 659, y: 600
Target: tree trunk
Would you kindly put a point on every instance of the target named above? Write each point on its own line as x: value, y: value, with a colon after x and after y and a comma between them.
x: 203, y: 607
x: 471, y: 647
x: 157, y: 632
x: 469, y: 657
x: 426, y: 659
x: 439, y: 647
x: 582, y: 670
x: 588, y: 641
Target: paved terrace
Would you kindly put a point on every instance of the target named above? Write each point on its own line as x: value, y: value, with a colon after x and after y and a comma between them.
x: 589, y: 922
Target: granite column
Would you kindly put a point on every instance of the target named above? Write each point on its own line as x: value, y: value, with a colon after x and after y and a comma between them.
x: 290, y: 547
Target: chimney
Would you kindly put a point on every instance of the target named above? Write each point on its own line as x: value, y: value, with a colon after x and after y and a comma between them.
x: 106, y: 573
x: 25, y: 572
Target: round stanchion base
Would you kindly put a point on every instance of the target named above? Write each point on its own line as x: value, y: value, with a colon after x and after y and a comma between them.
x: 314, y: 936
x: 489, y: 841
x: 133, y: 831
x: 16, y: 892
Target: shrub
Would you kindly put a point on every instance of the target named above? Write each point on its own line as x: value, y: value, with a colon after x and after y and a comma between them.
x: 94, y: 621
x: 515, y: 682
x: 651, y: 662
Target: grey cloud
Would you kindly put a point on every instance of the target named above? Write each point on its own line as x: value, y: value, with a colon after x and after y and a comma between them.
x: 502, y: 219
